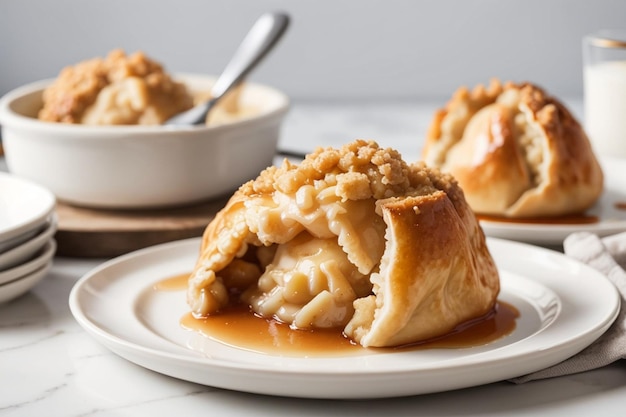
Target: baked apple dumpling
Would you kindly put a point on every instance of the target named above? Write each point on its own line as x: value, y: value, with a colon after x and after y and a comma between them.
x: 515, y: 151
x: 351, y: 238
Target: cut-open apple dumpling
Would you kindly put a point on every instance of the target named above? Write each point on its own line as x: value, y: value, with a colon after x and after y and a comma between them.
x: 353, y: 238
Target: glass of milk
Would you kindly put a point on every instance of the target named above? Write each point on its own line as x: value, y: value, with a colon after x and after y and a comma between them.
x: 604, y: 75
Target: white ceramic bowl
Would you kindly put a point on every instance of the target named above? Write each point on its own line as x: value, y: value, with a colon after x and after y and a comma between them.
x: 24, y: 209
x: 25, y: 251
x: 41, y: 258
x: 15, y: 288
x: 140, y: 166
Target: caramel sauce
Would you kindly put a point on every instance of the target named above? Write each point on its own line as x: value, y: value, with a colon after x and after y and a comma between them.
x: 569, y: 219
x: 175, y: 283
x: 620, y: 205
x: 237, y: 326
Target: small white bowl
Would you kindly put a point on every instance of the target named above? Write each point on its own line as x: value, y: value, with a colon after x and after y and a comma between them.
x: 27, y: 250
x: 14, y: 289
x: 24, y: 209
x: 121, y: 167
x: 42, y: 257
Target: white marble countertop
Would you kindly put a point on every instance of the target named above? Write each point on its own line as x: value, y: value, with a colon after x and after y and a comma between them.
x: 50, y: 366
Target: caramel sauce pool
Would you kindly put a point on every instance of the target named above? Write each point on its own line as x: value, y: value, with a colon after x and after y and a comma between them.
x: 569, y: 219
x: 175, y: 283
x: 237, y: 326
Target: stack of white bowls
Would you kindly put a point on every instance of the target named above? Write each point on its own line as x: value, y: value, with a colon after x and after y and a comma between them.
x: 27, y: 226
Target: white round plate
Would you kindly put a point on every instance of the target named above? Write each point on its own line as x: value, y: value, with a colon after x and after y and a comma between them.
x: 43, y: 256
x: 611, y: 219
x: 24, y: 206
x: 564, y: 306
x: 20, y: 286
x: 26, y: 250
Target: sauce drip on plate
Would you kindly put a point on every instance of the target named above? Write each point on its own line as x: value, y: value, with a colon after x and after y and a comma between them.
x: 559, y: 220
x: 237, y: 326
x: 175, y: 283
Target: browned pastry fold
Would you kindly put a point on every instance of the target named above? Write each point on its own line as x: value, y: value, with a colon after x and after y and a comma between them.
x: 516, y: 151
x: 352, y: 238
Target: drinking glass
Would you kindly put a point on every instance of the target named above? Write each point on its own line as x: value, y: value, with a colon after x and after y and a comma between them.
x: 604, y: 76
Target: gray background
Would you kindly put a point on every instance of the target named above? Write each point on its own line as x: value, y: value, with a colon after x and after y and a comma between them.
x: 335, y: 49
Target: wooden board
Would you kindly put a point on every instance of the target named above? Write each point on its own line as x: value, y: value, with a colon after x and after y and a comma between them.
x: 92, y: 233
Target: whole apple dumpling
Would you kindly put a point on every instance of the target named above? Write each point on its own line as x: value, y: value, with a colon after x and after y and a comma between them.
x: 516, y: 151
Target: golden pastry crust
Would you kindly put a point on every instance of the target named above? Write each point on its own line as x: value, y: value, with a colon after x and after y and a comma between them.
x: 116, y: 90
x: 516, y: 152
x: 352, y: 238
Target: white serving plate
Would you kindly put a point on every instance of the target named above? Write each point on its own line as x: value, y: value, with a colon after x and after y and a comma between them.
x: 611, y: 219
x: 564, y: 305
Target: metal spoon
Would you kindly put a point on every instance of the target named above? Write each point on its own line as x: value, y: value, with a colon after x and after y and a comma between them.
x: 261, y: 38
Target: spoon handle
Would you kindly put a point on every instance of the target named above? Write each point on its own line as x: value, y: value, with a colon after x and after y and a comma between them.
x: 261, y: 38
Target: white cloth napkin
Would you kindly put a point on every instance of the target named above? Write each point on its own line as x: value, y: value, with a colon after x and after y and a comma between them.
x: 607, y: 255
